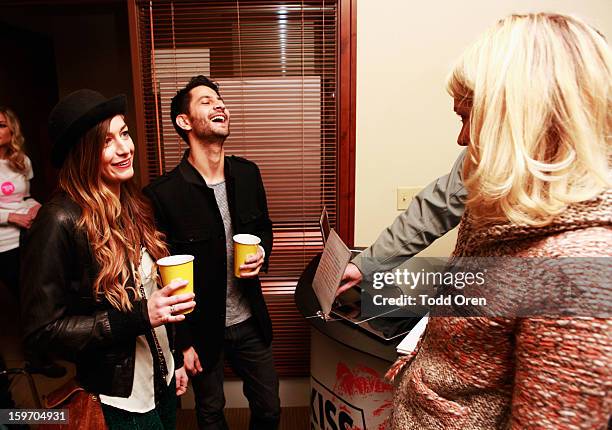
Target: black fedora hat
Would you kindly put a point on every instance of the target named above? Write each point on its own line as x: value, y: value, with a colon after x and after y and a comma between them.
x: 75, y: 114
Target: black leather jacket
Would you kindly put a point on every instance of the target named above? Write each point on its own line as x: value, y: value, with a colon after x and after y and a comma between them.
x: 60, y: 315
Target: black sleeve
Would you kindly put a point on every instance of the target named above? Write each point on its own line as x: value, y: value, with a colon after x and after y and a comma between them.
x: 177, y: 351
x: 158, y: 213
x: 264, y: 228
x: 48, y: 259
x: 184, y: 340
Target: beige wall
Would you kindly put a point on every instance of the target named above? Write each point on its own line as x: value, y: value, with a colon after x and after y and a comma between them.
x: 406, y: 129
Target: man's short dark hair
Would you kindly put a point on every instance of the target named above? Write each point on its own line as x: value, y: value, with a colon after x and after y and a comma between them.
x: 180, y: 102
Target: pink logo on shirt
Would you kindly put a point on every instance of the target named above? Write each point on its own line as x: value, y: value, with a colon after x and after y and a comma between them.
x: 7, y: 188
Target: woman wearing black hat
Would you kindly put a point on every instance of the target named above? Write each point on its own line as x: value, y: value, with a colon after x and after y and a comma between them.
x: 90, y: 287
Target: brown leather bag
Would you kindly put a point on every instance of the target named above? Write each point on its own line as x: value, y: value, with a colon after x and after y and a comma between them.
x: 84, y: 409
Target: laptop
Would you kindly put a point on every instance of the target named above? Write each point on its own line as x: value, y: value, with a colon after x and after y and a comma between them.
x: 348, y: 305
x: 325, y: 228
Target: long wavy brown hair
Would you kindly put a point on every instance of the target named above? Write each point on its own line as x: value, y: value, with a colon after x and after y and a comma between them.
x: 13, y: 152
x: 116, y: 227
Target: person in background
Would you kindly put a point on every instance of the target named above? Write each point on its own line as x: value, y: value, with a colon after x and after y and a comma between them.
x: 534, y: 95
x: 17, y: 211
x: 200, y: 205
x: 90, y: 288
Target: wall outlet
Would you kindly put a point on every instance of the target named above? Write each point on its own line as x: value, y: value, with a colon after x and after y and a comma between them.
x: 405, y: 195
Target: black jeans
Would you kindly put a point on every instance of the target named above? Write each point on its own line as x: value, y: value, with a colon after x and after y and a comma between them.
x: 9, y: 275
x: 9, y: 271
x: 252, y: 361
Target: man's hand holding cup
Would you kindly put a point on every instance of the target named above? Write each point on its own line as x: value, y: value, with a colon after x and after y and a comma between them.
x: 248, y: 256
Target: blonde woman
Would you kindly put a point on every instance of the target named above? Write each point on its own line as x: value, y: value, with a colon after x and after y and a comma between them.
x: 17, y: 210
x: 89, y: 279
x: 534, y: 95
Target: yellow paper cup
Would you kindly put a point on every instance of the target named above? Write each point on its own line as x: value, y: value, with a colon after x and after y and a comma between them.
x: 175, y: 267
x: 244, y: 245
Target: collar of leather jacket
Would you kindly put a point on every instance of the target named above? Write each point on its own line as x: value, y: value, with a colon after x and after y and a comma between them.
x: 191, y: 174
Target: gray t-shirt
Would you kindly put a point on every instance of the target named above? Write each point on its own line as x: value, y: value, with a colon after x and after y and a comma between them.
x: 236, y: 307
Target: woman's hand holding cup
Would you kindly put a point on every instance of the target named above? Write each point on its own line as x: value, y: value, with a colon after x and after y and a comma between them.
x: 164, y: 307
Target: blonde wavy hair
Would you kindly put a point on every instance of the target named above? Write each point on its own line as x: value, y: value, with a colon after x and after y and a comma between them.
x: 14, y: 152
x: 540, y: 90
x: 115, y: 227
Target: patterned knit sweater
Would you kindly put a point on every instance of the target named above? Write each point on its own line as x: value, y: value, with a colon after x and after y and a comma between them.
x: 516, y: 373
